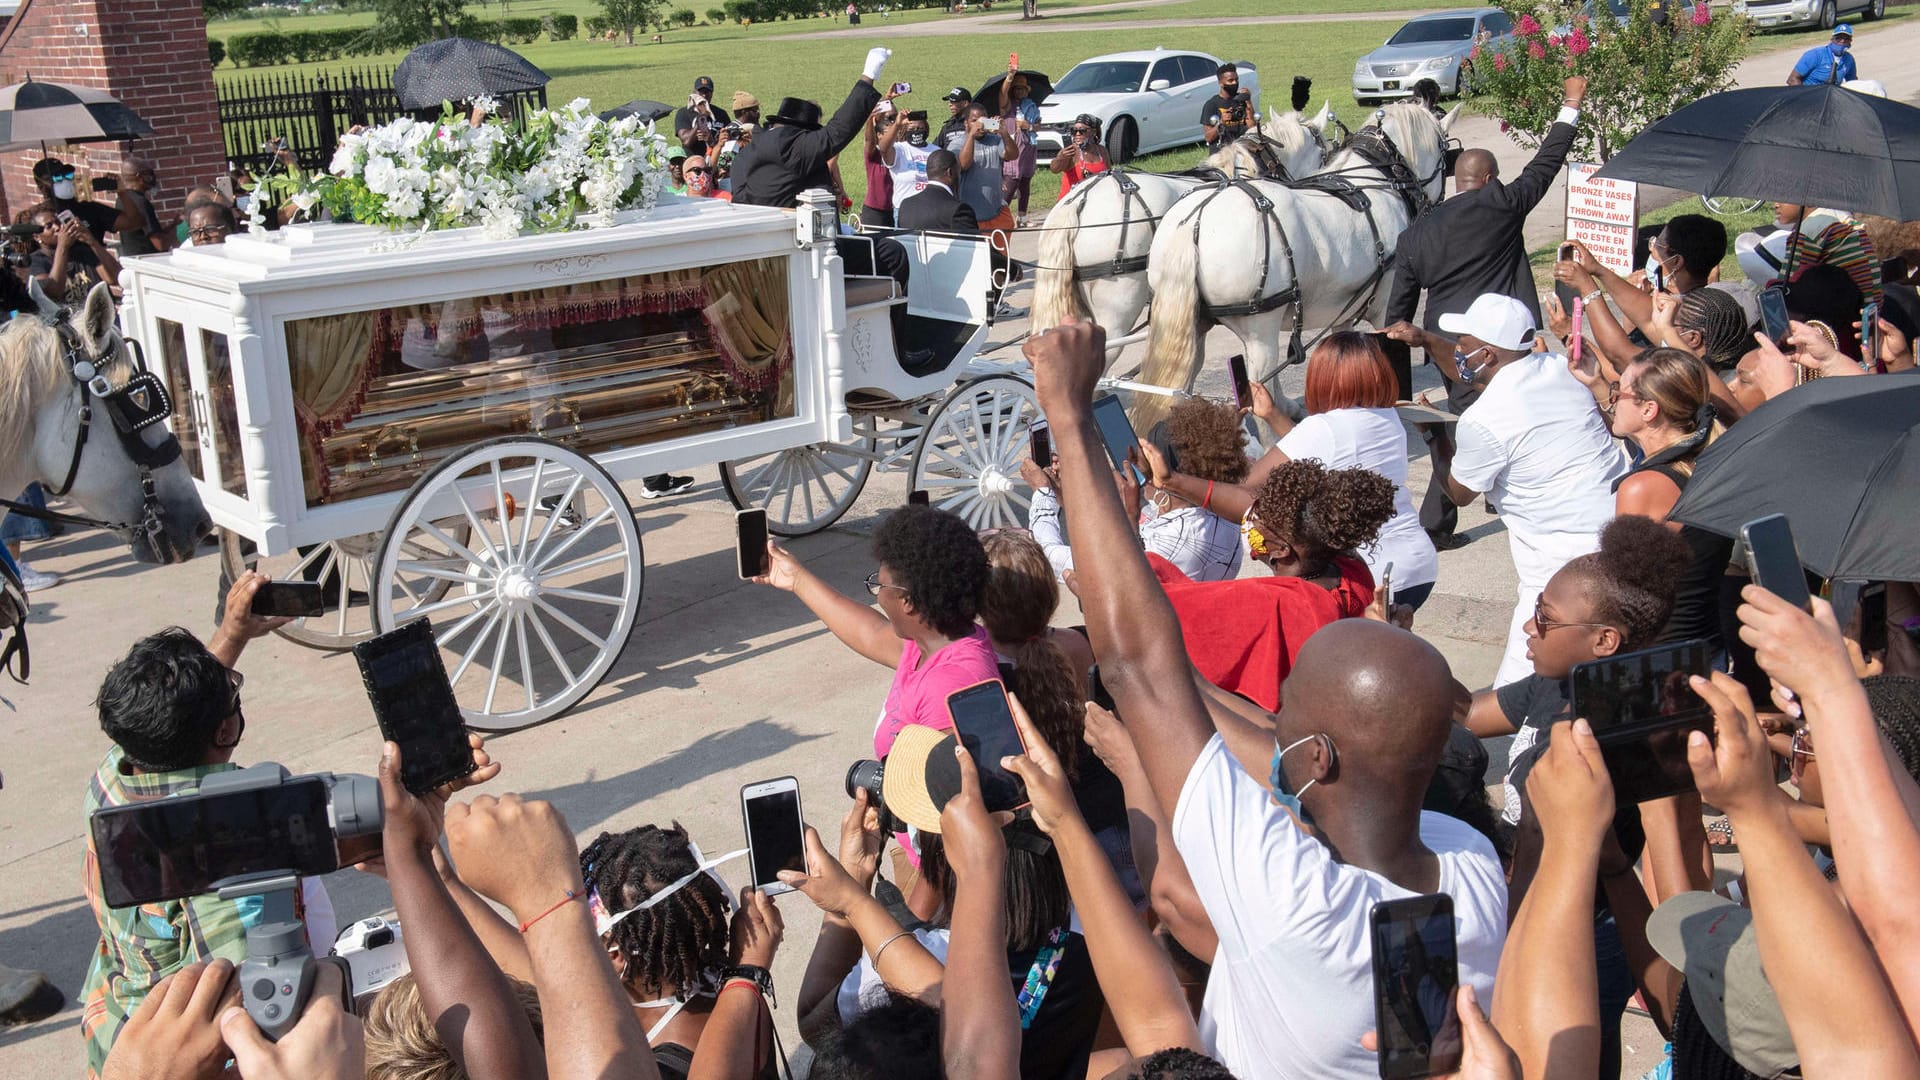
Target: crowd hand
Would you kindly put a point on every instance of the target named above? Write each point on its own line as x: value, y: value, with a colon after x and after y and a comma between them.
x: 1484, y: 1055
x: 327, y: 1043
x: 1558, y: 320
x: 1156, y: 462
x: 1864, y: 667
x: 1110, y: 740
x: 1047, y: 786
x: 239, y: 622
x: 514, y: 851
x: 825, y: 881
x: 1037, y: 478
x: 861, y: 840
x: 1795, y: 649
x: 1404, y: 331
x: 67, y: 233
x: 1734, y: 771
x: 415, y: 822
x: 1774, y: 374
x: 1072, y: 582
x: 1665, y: 306
x: 757, y: 929
x: 1576, y: 88
x: 1812, y: 349
x: 1262, y: 405
x: 975, y: 847
x: 174, y: 1034
x: 1129, y: 491
x: 1400, y: 615
x: 1577, y: 271
x: 1570, y: 789
x: 1067, y: 362
x: 783, y: 570
x: 876, y: 62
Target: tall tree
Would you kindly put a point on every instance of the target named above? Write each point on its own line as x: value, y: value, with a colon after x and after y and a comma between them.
x: 403, y: 24
x: 631, y: 14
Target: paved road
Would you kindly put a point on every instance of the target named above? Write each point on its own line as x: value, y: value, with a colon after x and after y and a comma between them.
x: 1061, y: 23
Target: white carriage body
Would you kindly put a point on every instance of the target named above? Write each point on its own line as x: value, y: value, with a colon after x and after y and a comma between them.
x: 652, y: 344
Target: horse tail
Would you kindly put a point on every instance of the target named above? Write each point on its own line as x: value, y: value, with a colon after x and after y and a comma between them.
x: 1054, y: 297
x: 1173, y: 322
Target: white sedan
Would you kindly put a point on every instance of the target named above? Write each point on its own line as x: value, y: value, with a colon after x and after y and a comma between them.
x: 1145, y: 101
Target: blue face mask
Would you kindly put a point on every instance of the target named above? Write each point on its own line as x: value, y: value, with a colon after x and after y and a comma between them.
x: 1841, y: 47
x: 1283, y: 793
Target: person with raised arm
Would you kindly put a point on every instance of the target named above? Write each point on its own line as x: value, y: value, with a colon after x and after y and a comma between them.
x: 730, y: 1044
x: 980, y: 1031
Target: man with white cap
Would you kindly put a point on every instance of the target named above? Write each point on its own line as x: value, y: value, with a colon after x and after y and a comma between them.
x: 1534, y: 443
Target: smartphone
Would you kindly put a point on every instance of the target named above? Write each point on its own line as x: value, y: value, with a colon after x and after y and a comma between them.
x: 1578, y: 330
x: 1040, y: 443
x: 224, y: 185
x: 301, y: 599
x: 1642, y: 710
x: 1117, y: 432
x: 1659, y: 278
x: 1773, y: 312
x: 1774, y: 561
x: 984, y: 723
x: 750, y: 540
x: 164, y: 849
x: 414, y: 705
x: 919, y: 497
x: 1242, y: 386
x: 990, y: 123
x: 1566, y: 252
x: 902, y: 88
x: 1870, y: 334
x: 64, y: 216
x: 1860, y: 607
x: 776, y: 833
x: 1013, y: 61
x: 1386, y: 586
x: 1416, y: 971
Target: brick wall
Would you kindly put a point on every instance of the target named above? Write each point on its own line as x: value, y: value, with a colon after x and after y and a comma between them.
x: 152, y: 55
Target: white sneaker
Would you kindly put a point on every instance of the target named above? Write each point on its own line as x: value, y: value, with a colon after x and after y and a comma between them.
x: 35, y: 580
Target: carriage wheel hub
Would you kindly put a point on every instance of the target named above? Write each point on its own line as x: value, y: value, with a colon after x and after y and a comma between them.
x: 994, y: 482
x: 516, y: 589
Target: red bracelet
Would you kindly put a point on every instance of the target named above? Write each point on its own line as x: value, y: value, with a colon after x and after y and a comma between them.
x: 731, y: 983
x: 562, y: 902
x: 1207, y: 503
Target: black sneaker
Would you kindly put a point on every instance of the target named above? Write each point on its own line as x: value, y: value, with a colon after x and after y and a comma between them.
x: 655, y: 487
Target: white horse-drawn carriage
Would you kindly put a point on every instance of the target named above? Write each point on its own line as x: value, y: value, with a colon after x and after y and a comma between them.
x: 449, y: 426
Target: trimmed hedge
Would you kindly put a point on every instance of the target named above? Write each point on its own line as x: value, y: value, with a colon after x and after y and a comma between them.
x: 716, y: 16
x: 685, y: 17
x: 562, y: 27
x: 269, y: 47
x: 216, y: 51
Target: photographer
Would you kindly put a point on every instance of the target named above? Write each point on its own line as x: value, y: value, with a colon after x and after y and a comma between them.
x: 697, y: 124
x: 1082, y: 157
x: 70, y: 259
x: 57, y: 182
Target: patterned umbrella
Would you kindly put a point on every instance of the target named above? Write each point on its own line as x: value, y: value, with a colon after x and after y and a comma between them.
x: 639, y: 108
x: 44, y: 112
x: 459, y: 69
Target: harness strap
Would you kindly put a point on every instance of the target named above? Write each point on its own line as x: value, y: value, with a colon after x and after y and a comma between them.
x: 1119, y: 267
x: 1263, y: 304
x: 79, y: 442
x: 58, y: 516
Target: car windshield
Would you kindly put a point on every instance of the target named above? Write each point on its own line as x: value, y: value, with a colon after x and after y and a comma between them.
x: 1103, y: 77
x: 1421, y: 31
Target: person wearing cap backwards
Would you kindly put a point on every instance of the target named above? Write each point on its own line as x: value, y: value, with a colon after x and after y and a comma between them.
x: 697, y: 124
x: 1534, y: 442
x: 1829, y: 63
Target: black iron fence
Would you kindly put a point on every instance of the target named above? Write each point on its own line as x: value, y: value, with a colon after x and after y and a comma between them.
x: 311, y: 110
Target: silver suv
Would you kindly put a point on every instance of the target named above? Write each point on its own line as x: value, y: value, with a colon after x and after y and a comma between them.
x: 1433, y: 46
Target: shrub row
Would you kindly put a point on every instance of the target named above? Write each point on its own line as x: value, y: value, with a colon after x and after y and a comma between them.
x: 269, y: 47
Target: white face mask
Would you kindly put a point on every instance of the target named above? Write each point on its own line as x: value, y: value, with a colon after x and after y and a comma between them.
x: 63, y: 189
x: 243, y: 203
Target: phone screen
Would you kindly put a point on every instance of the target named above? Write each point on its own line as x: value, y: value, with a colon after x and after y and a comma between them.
x: 1641, y: 708
x: 1242, y: 386
x: 1773, y: 312
x: 171, y: 848
x: 776, y: 838
x: 1416, y: 969
x: 1040, y: 444
x: 1774, y: 560
x: 1870, y: 333
x: 296, y: 598
x: 985, y: 725
x: 1566, y: 252
x: 413, y: 701
x: 902, y: 88
x: 1117, y: 432
x: 750, y: 539
x: 1860, y: 607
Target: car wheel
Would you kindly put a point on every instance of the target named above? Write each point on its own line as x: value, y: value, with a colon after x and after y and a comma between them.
x: 1126, y: 139
x: 1877, y: 9
x: 1463, y: 82
x: 1829, y: 15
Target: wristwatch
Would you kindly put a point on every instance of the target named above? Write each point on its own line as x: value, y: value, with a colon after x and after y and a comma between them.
x: 754, y: 973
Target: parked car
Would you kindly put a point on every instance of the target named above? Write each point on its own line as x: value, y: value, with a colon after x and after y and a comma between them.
x: 1432, y: 46
x: 1791, y: 14
x: 1677, y: 11
x: 1145, y: 101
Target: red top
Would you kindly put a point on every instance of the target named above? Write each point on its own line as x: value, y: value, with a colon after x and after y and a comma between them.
x: 1079, y: 171
x: 1243, y: 635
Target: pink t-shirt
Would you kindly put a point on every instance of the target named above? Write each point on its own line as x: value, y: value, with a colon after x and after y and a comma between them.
x: 919, y: 691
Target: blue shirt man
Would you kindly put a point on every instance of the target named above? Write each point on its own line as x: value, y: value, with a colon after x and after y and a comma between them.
x: 1829, y: 63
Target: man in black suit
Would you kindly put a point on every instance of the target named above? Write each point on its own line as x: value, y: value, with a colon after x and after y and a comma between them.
x: 936, y: 208
x: 1469, y: 244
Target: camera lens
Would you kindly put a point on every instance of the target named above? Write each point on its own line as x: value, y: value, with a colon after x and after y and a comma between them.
x: 866, y: 775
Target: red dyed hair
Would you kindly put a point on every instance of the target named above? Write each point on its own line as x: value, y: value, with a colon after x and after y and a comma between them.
x: 1348, y: 371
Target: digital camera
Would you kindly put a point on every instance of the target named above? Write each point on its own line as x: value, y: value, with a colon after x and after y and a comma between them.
x: 868, y: 776
x: 375, y: 953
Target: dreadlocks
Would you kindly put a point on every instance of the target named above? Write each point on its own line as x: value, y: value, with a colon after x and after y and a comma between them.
x: 676, y: 943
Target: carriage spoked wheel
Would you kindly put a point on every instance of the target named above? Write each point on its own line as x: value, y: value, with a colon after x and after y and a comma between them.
x: 539, y: 595
x: 803, y: 489
x: 344, y: 568
x: 967, y: 457
x: 1729, y: 205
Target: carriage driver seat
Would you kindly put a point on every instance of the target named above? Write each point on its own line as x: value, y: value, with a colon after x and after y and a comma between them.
x: 940, y: 321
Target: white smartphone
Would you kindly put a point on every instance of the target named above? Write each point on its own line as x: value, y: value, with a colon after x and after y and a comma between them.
x: 1386, y: 586
x: 776, y: 833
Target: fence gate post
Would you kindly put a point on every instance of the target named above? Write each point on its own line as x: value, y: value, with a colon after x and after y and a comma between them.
x: 323, y: 120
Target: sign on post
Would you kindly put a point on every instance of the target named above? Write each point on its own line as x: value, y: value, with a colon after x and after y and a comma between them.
x: 1604, y: 215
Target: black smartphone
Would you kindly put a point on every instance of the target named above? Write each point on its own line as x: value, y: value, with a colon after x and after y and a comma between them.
x: 1566, y: 252
x: 919, y: 497
x: 1040, y: 443
x: 1773, y: 312
x: 1642, y: 708
x: 984, y: 722
x: 776, y: 833
x: 1774, y: 561
x: 1416, y: 971
x: 1399, y: 356
x: 750, y: 541
x: 302, y: 599
x: 1870, y: 334
x: 414, y: 704
x: 1117, y: 432
x: 1242, y: 386
x: 168, y: 848
x: 1860, y: 607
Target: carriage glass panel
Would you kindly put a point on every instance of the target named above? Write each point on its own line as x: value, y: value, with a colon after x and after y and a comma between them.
x: 185, y: 421
x: 223, y: 413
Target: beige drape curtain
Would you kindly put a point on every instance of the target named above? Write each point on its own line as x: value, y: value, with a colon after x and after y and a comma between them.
x: 748, y: 314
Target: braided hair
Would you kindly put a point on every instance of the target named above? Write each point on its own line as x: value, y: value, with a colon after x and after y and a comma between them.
x: 1631, y: 580
x: 1324, y: 512
x: 1895, y: 701
x: 1725, y: 333
x: 675, y: 944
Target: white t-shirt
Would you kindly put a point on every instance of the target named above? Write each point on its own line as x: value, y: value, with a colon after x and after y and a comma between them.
x: 1292, y: 986
x: 909, y: 169
x: 1536, y: 445
x: 1373, y: 439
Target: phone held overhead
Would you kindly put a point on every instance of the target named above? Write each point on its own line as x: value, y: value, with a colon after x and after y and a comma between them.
x: 1643, y: 708
x: 1774, y: 561
x: 298, y: 599
x: 413, y: 703
x: 776, y: 832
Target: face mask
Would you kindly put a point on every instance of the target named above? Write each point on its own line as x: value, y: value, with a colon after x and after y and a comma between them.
x: 63, y: 189
x: 1460, y: 365
x: 1841, y: 47
x: 1283, y: 793
x: 604, y: 921
x: 916, y: 138
x: 242, y: 204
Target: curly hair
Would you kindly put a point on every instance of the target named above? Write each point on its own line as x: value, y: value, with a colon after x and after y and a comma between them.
x: 402, y: 1043
x: 900, y: 1038
x: 678, y: 941
x: 939, y: 562
x: 1017, y: 609
x: 1895, y: 701
x: 1180, y: 1063
x: 1324, y: 512
x: 1630, y: 582
x: 1725, y: 333
x: 1206, y: 437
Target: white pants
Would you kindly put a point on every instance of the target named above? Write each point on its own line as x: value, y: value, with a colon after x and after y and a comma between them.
x: 1536, y: 558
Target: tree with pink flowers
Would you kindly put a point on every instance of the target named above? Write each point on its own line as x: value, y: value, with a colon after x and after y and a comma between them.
x: 1660, y: 58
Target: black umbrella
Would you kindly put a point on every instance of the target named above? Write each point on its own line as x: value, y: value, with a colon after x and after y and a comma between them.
x: 1038, y: 87
x: 457, y: 69
x: 638, y: 108
x: 1805, y: 145
x: 45, y: 112
x: 1840, y: 457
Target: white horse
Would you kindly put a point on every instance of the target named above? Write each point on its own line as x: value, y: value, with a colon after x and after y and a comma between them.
x: 43, y: 359
x: 1310, y: 259
x: 1093, y: 250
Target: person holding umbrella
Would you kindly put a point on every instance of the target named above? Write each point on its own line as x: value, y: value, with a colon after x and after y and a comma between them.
x: 1829, y: 63
x: 1019, y: 117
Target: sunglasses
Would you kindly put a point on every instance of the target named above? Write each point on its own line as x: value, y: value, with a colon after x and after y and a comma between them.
x: 1799, y: 754
x: 68, y: 175
x: 696, y: 169
x: 209, y: 231
x: 1545, y: 625
x: 874, y: 584
x: 1083, y: 131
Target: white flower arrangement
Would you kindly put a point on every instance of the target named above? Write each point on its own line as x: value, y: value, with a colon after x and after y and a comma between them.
x: 538, y: 177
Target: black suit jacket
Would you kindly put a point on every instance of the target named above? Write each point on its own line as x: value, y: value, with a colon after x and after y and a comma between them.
x: 1472, y: 244
x: 936, y: 209
x: 783, y: 161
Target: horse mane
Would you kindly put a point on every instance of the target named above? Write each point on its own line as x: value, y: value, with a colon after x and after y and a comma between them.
x: 30, y: 373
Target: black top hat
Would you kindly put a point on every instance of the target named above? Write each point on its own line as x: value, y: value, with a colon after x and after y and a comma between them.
x: 799, y: 112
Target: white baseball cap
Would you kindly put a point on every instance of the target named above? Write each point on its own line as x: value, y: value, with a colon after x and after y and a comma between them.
x: 1498, y: 320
